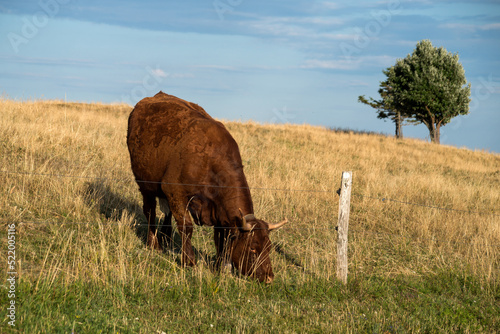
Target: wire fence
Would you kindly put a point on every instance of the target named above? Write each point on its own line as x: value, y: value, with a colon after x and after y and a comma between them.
x: 331, y: 227
x: 160, y: 182
x: 128, y: 180
x: 383, y: 199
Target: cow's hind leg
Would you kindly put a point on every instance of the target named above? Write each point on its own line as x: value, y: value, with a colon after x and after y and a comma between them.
x: 185, y: 228
x: 149, y: 209
x: 166, y: 227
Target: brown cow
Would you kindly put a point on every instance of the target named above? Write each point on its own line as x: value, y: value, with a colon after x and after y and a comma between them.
x: 192, y: 164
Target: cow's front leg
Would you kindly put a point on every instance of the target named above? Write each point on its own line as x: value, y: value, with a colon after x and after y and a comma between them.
x: 188, y: 258
x: 221, y: 242
x: 185, y: 228
x: 184, y: 222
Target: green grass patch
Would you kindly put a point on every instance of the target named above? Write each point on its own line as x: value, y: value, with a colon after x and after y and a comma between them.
x: 437, y: 303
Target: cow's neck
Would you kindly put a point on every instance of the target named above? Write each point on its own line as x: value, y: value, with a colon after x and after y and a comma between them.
x: 235, y: 198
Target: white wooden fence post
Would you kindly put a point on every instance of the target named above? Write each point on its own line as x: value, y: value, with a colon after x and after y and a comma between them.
x: 343, y: 225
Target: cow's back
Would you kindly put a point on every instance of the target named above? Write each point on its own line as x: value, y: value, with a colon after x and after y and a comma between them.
x: 163, y: 127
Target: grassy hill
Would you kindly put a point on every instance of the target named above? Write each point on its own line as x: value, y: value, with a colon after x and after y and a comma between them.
x: 424, y: 235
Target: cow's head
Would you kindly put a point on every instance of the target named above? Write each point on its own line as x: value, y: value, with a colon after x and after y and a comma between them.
x: 251, y: 247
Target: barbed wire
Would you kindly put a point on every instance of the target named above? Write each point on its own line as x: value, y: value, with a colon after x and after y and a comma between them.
x: 383, y: 199
x: 136, y: 224
x: 160, y: 182
x: 392, y: 234
x: 332, y: 228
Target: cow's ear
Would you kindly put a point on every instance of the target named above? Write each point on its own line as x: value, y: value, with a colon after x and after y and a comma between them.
x: 201, y: 210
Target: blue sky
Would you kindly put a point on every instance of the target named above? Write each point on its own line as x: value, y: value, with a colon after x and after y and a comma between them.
x: 281, y: 61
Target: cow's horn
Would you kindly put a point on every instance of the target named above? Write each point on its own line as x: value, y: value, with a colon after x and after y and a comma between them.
x: 277, y: 225
x: 245, y: 225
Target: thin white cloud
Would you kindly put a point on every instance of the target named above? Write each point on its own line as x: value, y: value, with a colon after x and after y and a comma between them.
x: 353, y: 64
x: 74, y: 79
x: 159, y: 73
x: 329, y: 5
x: 338, y: 36
x: 279, y: 28
x: 470, y: 27
x: 243, y: 68
x: 316, y: 20
x: 291, y: 27
x: 48, y: 61
x: 492, y: 26
x: 217, y: 67
x: 181, y: 75
x: 339, y: 64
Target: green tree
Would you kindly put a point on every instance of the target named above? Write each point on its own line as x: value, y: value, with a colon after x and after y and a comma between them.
x: 385, y: 107
x: 429, y: 87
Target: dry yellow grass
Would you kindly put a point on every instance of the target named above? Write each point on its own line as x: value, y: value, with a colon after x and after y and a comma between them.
x: 68, y: 162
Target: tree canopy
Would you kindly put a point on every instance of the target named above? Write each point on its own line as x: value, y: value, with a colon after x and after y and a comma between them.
x: 385, y: 107
x: 428, y: 86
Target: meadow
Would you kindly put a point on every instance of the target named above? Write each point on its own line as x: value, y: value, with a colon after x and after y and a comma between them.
x: 424, y: 234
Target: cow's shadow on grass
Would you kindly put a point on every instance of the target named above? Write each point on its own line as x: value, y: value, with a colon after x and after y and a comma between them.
x: 113, y: 206
x: 290, y: 258
x: 100, y: 197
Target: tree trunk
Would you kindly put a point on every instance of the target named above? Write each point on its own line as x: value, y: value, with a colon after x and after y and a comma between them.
x: 437, y: 133
x: 434, y: 133
x: 433, y: 127
x: 399, y: 126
